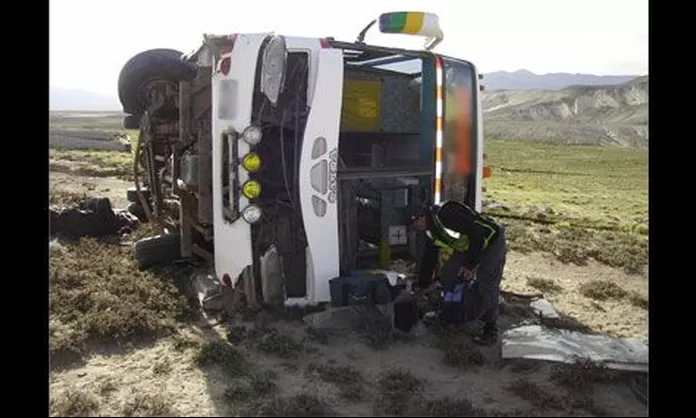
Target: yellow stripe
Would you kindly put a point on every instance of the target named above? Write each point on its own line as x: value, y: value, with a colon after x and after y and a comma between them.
x: 438, y: 155
x: 414, y: 23
x: 438, y: 124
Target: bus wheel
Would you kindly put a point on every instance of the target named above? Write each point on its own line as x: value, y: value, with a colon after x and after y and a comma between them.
x: 157, y: 250
x: 153, y: 64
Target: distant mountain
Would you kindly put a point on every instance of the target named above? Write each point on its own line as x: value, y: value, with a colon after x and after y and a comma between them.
x: 527, y: 80
x: 599, y: 114
x: 72, y: 99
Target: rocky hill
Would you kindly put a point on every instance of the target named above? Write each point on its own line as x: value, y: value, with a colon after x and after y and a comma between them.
x: 599, y: 114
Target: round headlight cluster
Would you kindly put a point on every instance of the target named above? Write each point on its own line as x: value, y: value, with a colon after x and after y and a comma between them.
x: 251, y: 162
x: 252, y: 214
x: 251, y: 189
x: 252, y: 135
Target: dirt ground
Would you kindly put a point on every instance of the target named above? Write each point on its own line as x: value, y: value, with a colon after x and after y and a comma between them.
x: 613, y: 317
x: 167, y: 373
x: 169, y: 377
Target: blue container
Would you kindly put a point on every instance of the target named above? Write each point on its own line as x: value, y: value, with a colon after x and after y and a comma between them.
x: 360, y: 290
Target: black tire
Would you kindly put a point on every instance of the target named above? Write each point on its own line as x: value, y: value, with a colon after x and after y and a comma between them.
x: 163, y: 64
x: 157, y: 250
x: 131, y: 122
x: 132, y: 194
x: 137, y: 210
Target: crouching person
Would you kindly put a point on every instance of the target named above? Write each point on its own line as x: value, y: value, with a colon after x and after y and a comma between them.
x: 466, y: 251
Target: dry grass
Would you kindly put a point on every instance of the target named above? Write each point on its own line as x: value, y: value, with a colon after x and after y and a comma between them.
x: 459, y: 351
x: 449, y: 407
x: 222, y: 354
x: 578, y: 379
x: 92, y: 163
x: 106, y: 388
x: 544, y: 285
x: 375, y: 329
x: 302, y: 405
x: 280, y: 345
x: 577, y: 245
x: 346, y: 378
x: 398, y: 389
x: 319, y: 335
x: 638, y: 300
x: 533, y: 393
x: 74, y: 403
x: 63, y: 198
x: 581, y: 375
x: 97, y: 294
x: 251, y: 389
x: 162, y: 367
x: 147, y: 406
x: 602, y: 290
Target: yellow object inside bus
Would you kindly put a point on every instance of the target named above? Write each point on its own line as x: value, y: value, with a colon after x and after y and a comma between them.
x: 361, y: 104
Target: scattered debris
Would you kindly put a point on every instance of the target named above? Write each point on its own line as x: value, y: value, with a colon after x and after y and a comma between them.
x: 91, y: 218
x: 543, y: 308
x: 543, y: 343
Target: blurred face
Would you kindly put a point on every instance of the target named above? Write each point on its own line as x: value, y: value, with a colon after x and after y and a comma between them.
x: 419, y: 224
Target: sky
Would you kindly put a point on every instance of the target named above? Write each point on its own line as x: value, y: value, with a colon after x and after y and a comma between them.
x: 91, y: 40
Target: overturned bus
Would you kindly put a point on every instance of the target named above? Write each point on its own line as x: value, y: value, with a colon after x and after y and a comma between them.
x: 286, y: 162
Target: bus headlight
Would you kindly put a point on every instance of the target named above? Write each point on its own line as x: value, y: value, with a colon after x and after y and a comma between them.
x: 251, y: 162
x: 252, y: 135
x: 273, y: 68
x: 252, y: 214
x: 251, y: 189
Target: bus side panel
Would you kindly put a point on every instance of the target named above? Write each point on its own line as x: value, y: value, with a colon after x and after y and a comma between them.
x: 232, y: 97
x: 318, y: 165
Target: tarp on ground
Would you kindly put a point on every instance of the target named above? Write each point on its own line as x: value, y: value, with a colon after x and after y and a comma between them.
x: 543, y: 343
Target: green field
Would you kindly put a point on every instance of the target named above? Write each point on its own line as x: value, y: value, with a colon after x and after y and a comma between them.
x: 92, y: 121
x: 577, y: 202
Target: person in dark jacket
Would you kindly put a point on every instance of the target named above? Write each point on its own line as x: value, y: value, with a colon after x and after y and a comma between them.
x: 463, y: 248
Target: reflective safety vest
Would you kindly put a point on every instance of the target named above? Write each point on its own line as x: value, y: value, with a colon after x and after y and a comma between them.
x: 449, y: 242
